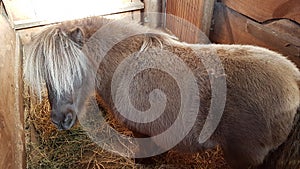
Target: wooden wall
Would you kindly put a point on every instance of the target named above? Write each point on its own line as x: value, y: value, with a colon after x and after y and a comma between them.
x: 11, y: 106
x: 273, y: 24
x: 24, y: 14
x: 192, y: 21
x: 265, y: 10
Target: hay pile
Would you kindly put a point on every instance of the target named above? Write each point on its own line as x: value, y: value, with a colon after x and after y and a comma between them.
x: 49, y: 148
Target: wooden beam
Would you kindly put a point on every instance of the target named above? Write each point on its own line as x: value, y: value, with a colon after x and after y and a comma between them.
x: 231, y: 27
x: 208, y: 9
x: 152, y: 14
x: 267, y: 9
x: 11, y: 105
x: 277, y: 40
x: 31, y: 14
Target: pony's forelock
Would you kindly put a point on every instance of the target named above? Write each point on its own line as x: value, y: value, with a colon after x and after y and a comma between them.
x: 53, y: 58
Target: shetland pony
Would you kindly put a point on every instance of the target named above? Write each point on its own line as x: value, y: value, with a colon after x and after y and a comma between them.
x: 262, y: 86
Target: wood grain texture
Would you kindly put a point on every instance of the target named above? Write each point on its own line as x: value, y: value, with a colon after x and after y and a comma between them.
x: 152, y: 15
x: 263, y: 10
x: 24, y: 14
x: 194, y: 19
x: 11, y: 114
x: 282, y: 36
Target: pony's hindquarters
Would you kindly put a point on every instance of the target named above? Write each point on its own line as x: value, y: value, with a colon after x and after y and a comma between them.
x: 262, y: 100
x: 287, y: 155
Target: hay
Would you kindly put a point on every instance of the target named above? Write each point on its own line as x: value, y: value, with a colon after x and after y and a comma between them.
x: 49, y: 148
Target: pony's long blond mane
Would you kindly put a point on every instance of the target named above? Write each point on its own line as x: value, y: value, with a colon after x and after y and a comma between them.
x: 54, y: 57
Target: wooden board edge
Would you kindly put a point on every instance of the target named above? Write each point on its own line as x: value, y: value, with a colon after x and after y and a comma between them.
x: 131, y: 6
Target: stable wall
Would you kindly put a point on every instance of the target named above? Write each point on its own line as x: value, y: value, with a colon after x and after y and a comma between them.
x: 273, y: 24
x: 11, y: 106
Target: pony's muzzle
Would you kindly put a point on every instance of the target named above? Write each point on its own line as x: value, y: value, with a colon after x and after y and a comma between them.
x: 65, y: 118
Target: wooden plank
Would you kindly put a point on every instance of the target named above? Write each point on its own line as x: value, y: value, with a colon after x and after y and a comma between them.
x: 289, y: 29
x: 11, y: 106
x: 27, y: 34
x: 6, y: 91
x: 276, y: 39
x: 19, y: 9
x: 195, y: 15
x: 18, y: 105
x: 136, y: 16
x: 267, y: 9
x: 231, y: 27
x: 2, y: 9
x: 208, y: 8
x: 38, y: 22
x: 42, y: 12
x: 152, y: 15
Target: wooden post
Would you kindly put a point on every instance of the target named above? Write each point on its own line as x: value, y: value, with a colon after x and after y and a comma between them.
x: 208, y: 10
x: 152, y: 15
x: 11, y: 100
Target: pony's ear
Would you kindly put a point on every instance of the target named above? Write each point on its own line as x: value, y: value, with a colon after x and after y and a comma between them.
x: 77, y: 36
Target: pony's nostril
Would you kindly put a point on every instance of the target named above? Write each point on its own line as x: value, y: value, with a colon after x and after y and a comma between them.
x: 68, y: 121
x: 68, y: 118
x: 64, y: 117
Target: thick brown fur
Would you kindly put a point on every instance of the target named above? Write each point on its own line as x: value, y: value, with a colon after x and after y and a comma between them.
x: 262, y: 89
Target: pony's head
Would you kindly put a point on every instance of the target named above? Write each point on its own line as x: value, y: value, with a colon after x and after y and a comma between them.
x: 54, y: 59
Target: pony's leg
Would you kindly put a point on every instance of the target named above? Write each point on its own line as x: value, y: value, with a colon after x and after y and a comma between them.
x: 241, y: 156
x: 142, y: 151
x: 234, y: 157
x: 287, y: 154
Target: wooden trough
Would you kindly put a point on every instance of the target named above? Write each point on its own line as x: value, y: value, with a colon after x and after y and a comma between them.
x: 27, y: 137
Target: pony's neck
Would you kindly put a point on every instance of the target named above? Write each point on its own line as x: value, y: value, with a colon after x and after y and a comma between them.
x: 102, y: 34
